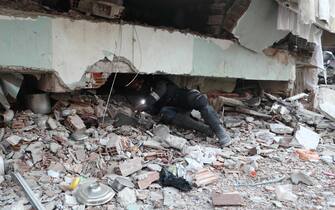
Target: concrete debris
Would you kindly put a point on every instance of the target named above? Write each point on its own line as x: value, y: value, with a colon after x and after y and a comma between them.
x: 70, y: 200
x: 311, y: 118
x: 126, y: 197
x: 307, y: 138
x: 265, y: 136
x: 130, y: 166
x: 280, y: 128
x: 13, y: 139
x: 232, y: 122
x: 172, y: 198
x: 298, y: 176
x: 119, y: 183
x: 328, y: 110
x: 284, y: 193
x: 54, y: 147
x: 227, y: 199
x: 154, y: 167
x: 327, y: 102
x: 53, y: 174
x: 52, y: 123
x: 36, y: 150
x: 153, y: 144
x: 57, y: 154
x: 176, y: 142
x: 74, y: 123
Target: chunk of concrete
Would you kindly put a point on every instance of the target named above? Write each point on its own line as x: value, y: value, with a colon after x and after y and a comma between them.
x: 176, y: 142
x: 70, y: 200
x: 36, y: 150
x: 119, y: 183
x: 126, y: 197
x: 326, y: 101
x: 284, y: 193
x: 328, y: 110
x: 152, y: 144
x: 130, y: 166
x: 298, y: 176
x: 74, y: 123
x: 154, y: 167
x: 161, y: 132
x: 13, y: 139
x: 52, y: 123
x: 307, y: 138
x: 280, y: 128
x: 172, y: 198
x: 54, y: 147
x: 227, y: 199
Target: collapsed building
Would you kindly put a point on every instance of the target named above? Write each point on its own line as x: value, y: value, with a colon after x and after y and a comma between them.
x: 70, y: 137
x: 276, y: 43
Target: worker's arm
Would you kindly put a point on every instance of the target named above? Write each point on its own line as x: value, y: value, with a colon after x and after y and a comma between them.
x: 155, y: 95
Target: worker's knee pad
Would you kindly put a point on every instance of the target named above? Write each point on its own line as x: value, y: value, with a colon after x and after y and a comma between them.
x: 196, y: 99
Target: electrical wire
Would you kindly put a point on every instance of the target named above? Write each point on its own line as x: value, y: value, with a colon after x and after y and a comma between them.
x: 115, y: 75
x: 140, y: 66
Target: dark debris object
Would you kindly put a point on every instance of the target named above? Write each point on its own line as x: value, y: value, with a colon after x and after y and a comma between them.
x: 168, y: 179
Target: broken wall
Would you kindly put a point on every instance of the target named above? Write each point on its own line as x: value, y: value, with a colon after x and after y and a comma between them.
x: 70, y: 48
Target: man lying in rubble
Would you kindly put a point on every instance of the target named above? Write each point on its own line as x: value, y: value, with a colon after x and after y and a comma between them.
x: 174, y: 105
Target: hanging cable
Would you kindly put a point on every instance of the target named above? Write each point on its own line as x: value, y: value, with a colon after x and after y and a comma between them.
x: 140, y: 49
x: 115, y: 75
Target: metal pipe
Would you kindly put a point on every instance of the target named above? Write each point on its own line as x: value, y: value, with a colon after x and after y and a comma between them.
x: 27, y: 190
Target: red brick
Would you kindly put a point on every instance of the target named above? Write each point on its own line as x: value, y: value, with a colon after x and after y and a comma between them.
x: 151, y: 177
x: 204, y: 177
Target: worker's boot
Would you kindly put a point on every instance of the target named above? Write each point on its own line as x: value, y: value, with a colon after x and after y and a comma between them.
x: 187, y: 122
x: 212, y: 119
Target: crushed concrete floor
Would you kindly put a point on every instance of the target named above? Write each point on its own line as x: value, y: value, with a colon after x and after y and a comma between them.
x: 268, y: 166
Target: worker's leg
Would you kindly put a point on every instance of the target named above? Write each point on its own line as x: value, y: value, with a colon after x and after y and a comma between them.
x: 182, y: 119
x: 200, y: 103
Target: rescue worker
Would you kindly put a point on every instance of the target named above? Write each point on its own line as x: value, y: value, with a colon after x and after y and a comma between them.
x: 174, y: 105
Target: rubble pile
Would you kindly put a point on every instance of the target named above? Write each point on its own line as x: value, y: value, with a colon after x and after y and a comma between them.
x: 76, y: 157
